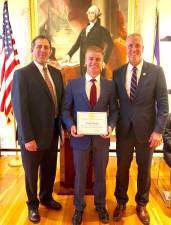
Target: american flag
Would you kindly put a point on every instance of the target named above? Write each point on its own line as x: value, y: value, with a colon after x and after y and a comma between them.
x: 10, y: 62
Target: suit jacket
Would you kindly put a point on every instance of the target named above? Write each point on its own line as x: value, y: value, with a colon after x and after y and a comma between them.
x: 98, y: 36
x: 149, y: 109
x: 33, y: 105
x: 76, y: 100
x: 167, y: 142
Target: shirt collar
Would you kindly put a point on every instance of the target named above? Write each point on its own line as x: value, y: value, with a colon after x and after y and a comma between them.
x: 139, y: 66
x: 88, y: 77
x: 91, y: 24
x: 40, y: 67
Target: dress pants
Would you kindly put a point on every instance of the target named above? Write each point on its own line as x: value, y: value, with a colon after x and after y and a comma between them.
x: 125, y: 147
x: 42, y: 162
x: 81, y: 161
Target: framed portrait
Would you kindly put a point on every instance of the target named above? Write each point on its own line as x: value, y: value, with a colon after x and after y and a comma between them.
x: 63, y: 20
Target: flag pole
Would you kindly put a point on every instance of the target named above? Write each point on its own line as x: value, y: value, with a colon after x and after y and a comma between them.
x: 17, y: 160
x: 10, y: 63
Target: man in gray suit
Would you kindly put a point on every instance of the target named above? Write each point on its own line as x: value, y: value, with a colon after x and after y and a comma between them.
x: 78, y: 99
x: 36, y: 97
x: 143, y: 101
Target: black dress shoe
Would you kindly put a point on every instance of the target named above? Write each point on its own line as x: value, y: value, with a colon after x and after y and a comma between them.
x: 77, y: 217
x: 118, y: 212
x: 103, y: 214
x: 34, y: 216
x: 52, y: 204
x: 143, y: 214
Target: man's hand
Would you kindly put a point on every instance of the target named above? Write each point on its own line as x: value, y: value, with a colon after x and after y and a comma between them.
x: 155, y: 139
x: 108, y: 134
x: 74, y: 132
x: 31, y: 146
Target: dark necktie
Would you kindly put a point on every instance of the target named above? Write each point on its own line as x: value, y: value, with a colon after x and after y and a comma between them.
x: 133, y: 86
x: 93, y: 93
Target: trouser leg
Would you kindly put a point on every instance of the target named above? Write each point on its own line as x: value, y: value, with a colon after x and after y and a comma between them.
x: 81, y: 162
x: 124, y: 151
x: 144, y: 159
x: 31, y: 163
x: 100, y: 161
x: 47, y: 173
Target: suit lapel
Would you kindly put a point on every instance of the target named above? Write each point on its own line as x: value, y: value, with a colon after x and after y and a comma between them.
x: 102, y: 90
x: 40, y: 79
x: 56, y: 83
x: 122, y: 80
x: 143, y: 77
x: 83, y: 90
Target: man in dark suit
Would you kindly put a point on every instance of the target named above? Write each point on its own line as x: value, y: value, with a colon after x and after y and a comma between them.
x: 36, y: 97
x: 93, y: 34
x: 143, y: 101
x: 167, y: 141
x: 78, y: 99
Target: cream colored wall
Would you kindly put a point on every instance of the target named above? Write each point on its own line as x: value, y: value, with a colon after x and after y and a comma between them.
x: 165, y: 29
x: 20, y: 22
x: 146, y: 26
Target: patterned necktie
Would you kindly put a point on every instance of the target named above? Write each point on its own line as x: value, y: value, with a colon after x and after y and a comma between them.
x: 49, y: 84
x: 133, y: 86
x: 93, y: 93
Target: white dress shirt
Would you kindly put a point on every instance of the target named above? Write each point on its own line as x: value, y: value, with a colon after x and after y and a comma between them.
x: 88, y: 85
x: 129, y: 75
x: 88, y: 28
x: 40, y: 67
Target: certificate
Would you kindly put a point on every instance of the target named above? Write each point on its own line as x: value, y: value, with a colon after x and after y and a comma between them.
x: 92, y: 123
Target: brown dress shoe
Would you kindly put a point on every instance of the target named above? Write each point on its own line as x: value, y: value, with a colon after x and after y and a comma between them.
x: 143, y: 214
x: 118, y: 212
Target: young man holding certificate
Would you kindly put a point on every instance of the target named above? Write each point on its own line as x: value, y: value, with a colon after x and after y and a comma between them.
x: 89, y: 104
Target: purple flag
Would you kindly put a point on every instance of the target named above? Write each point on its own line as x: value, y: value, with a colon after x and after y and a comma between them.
x: 156, y: 46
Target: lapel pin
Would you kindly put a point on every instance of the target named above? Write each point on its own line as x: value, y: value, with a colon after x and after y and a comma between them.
x: 144, y: 74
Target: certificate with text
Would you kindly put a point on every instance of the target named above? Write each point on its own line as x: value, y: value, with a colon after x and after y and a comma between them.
x: 92, y: 123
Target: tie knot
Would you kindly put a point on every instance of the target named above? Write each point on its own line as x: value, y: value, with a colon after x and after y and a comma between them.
x: 93, y: 80
x: 134, y: 69
x: 45, y: 70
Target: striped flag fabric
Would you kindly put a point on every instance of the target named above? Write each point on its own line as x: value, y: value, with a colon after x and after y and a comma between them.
x: 10, y: 63
x: 156, y: 43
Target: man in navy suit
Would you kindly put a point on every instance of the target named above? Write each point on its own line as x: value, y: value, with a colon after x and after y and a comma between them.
x: 37, y: 108
x: 143, y: 112
x: 76, y: 99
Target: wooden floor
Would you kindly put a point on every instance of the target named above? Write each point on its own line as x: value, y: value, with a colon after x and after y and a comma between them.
x: 13, y: 210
